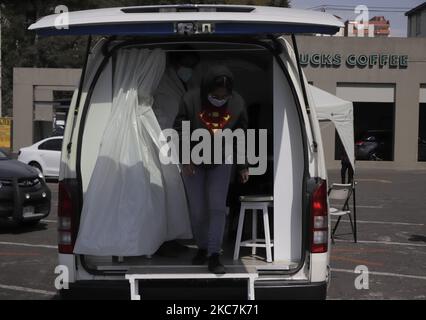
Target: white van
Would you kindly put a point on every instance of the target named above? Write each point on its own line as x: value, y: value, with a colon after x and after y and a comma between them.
x: 250, y: 41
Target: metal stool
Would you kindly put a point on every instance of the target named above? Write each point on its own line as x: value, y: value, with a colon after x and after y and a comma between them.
x: 255, y: 203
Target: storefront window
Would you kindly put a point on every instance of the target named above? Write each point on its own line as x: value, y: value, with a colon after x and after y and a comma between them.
x: 422, y: 133
x: 374, y: 131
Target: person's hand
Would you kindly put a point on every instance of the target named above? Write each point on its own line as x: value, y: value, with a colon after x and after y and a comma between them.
x: 188, y: 170
x: 244, y: 176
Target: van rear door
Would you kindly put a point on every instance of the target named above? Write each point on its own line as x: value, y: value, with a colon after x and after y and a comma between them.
x: 184, y: 21
x: 187, y: 20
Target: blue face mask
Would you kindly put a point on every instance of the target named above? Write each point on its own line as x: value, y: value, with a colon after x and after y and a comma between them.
x: 217, y: 102
x: 184, y: 73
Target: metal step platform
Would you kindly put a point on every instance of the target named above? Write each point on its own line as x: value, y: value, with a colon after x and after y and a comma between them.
x: 134, y: 275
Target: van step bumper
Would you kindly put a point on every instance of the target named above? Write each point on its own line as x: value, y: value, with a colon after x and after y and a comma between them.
x: 289, y: 291
x: 193, y: 290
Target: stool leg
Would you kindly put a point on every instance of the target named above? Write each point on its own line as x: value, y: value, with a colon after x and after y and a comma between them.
x: 239, y: 232
x: 254, y: 232
x: 267, y: 234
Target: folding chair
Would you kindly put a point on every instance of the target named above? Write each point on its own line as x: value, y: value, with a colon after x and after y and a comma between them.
x: 341, y: 192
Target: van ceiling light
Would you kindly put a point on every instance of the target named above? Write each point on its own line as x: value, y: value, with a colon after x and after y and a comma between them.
x: 188, y: 8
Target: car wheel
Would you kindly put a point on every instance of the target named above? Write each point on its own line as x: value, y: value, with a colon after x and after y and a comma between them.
x: 36, y: 166
x: 374, y: 157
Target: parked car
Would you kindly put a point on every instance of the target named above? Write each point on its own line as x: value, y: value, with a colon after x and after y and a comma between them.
x: 375, y: 145
x: 45, y: 156
x: 24, y: 195
x: 300, y: 267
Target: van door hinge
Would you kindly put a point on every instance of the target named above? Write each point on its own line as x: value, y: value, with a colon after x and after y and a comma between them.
x: 69, y: 147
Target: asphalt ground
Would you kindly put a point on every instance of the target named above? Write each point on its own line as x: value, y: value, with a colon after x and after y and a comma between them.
x: 391, y: 212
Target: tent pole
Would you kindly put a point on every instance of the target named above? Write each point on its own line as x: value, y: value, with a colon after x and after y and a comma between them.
x: 354, y: 204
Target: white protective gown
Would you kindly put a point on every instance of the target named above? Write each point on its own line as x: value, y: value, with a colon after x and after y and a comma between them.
x: 133, y: 203
x: 167, y: 98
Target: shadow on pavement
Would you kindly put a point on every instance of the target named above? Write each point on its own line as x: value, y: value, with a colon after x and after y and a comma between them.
x: 417, y: 238
x: 11, y: 227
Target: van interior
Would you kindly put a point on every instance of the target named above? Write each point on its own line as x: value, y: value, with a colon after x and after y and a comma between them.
x: 271, y: 105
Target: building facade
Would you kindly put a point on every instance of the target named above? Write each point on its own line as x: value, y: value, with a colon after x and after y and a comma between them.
x: 376, y: 27
x: 386, y: 80
x: 40, y: 99
x: 417, y: 21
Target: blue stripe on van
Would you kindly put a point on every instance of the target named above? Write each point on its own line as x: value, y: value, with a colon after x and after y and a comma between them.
x: 261, y: 28
x: 148, y: 29
x: 167, y: 29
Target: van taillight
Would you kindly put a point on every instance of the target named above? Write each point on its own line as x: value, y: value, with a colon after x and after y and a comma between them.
x: 319, y: 222
x: 66, y: 220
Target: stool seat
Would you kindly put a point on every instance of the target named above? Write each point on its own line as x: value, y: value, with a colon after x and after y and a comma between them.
x: 337, y: 212
x: 255, y: 204
x: 256, y: 199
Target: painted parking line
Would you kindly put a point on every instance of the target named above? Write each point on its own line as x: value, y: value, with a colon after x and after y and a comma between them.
x: 357, y: 261
x: 384, y: 243
x: 384, y: 274
x: 375, y: 180
x: 358, y: 250
x: 369, y: 207
x: 28, y: 245
x: 28, y: 290
x: 360, y: 206
x: 384, y: 222
x: 19, y: 254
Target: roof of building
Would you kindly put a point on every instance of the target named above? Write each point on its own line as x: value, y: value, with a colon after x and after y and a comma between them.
x: 379, y: 19
x: 416, y: 9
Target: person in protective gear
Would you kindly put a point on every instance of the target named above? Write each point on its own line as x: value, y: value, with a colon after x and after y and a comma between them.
x: 214, y: 107
x: 177, y: 80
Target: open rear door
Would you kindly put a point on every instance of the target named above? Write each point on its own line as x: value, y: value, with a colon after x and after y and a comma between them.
x: 188, y: 20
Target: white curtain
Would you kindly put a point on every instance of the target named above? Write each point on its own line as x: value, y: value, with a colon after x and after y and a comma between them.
x: 133, y: 203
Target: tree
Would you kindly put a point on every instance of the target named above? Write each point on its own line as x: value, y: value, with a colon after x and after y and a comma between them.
x: 21, y: 48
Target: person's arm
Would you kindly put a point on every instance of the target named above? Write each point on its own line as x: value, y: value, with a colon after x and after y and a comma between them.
x: 183, y: 115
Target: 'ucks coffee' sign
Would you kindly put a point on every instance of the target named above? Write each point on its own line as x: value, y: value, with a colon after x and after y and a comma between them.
x: 318, y: 60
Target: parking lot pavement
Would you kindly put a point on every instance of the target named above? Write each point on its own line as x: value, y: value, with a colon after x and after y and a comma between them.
x: 391, y: 233
x: 28, y: 257
x: 391, y: 212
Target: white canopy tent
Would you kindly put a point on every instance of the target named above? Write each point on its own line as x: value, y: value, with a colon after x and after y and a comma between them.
x: 340, y: 112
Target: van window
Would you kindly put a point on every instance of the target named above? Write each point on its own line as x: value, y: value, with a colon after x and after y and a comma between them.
x: 51, y: 145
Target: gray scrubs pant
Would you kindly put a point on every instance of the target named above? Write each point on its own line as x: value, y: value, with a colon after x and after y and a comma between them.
x: 207, y: 191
